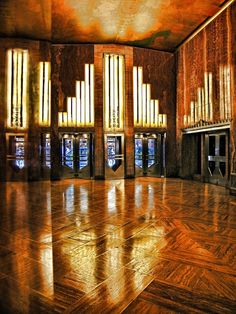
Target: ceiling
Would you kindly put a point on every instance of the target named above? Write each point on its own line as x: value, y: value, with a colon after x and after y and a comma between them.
x: 158, y: 24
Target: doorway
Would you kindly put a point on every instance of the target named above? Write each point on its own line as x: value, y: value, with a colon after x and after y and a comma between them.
x: 77, y: 155
x: 216, y: 146
x: 149, y: 154
x: 114, y: 156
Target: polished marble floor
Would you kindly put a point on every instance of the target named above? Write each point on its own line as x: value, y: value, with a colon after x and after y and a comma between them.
x: 133, y: 246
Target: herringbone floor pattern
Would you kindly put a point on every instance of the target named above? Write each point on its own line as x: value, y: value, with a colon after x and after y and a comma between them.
x: 134, y: 246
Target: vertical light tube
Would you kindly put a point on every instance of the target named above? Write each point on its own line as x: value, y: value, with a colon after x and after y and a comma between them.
x: 144, y: 104
x: 140, y: 95
x: 152, y: 119
x: 24, y: 87
x: 74, y: 114
x: 107, y: 86
x: 82, y: 103
x: 87, y: 96
x: 111, y: 103
x: 192, y: 112
x: 221, y: 93
x: 78, y: 103
x: 92, y: 94
x: 15, y: 117
x: 185, y: 120
x: 9, y: 87
x: 69, y: 111
x: 199, y: 94
x: 206, y: 94
x: 225, y: 92
x: 65, y: 118
x: 60, y: 114
x: 156, y: 101
x: 210, y: 97
x: 41, y: 93
x: 115, y: 103
x: 203, y: 103
x: 148, y: 103
x: 49, y: 101
x: 135, y: 95
x: 121, y: 91
x: 228, y: 92
x: 45, y: 107
x: 18, y: 88
x: 164, y: 120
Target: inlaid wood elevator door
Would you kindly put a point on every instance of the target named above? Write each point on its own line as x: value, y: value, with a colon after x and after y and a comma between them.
x: 217, y: 158
x: 76, y: 155
x: 149, y: 154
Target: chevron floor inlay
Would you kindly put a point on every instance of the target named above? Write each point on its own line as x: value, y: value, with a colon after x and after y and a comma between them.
x: 146, y: 245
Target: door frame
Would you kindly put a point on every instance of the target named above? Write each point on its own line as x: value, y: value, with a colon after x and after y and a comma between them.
x: 161, y: 143
x: 219, y: 180
x: 120, y: 173
x: 75, y: 172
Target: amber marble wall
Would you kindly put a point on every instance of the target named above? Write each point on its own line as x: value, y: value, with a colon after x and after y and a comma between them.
x: 212, y: 47
x: 38, y: 51
x: 159, y: 71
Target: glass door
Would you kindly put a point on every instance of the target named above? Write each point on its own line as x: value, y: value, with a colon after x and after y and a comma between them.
x: 149, y: 157
x: 45, y: 155
x: 114, y: 156
x: 16, y: 163
x: 76, y: 155
x: 217, y: 158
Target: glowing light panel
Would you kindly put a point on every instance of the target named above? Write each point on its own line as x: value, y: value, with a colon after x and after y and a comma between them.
x: 17, y: 72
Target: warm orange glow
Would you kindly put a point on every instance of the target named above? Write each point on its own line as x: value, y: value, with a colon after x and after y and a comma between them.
x: 17, y: 79
x: 146, y: 110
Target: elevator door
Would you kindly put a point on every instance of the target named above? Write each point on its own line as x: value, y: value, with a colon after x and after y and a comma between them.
x: 149, y: 155
x: 76, y: 155
x: 114, y: 156
x: 45, y: 155
x: 217, y: 158
x: 16, y: 163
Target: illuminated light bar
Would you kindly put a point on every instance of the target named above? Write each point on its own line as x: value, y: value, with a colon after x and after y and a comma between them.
x: 192, y: 111
x: 144, y: 104
x: 140, y: 97
x: 203, y: 103
x: 87, y: 93
x: 113, y: 91
x: 210, y: 97
x: 228, y: 92
x: 17, y: 74
x: 164, y: 120
x: 107, y: 79
x: 91, y: 120
x: 82, y: 102
x: 152, y: 110
x: 146, y: 110
x: 156, y: 112
x: 71, y: 111
x: 78, y: 103
x: 148, y: 104
x: 199, y: 101
x: 116, y: 95
x: 135, y: 94
x: 44, y: 94
x: 80, y: 109
x: 121, y: 92
x: 111, y: 102
x: 206, y: 91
